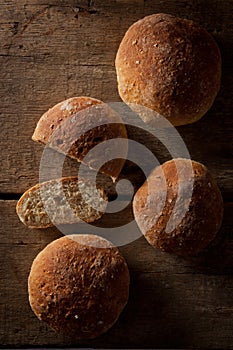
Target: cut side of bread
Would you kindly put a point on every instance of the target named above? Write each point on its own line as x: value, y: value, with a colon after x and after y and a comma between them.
x: 61, y: 201
x: 77, y: 125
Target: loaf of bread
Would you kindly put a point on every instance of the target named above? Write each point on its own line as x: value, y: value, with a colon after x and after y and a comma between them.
x: 179, y: 208
x: 79, y: 285
x: 61, y: 201
x: 73, y: 128
x: 169, y: 65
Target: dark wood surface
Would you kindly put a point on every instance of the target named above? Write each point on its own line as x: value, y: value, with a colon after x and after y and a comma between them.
x: 52, y: 50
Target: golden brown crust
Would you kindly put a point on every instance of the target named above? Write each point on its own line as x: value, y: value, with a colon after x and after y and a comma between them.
x: 64, y: 127
x: 170, y: 65
x: 56, y: 115
x: 79, y: 288
x: 202, y: 219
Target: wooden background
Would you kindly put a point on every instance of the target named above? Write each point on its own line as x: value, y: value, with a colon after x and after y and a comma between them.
x: 52, y: 50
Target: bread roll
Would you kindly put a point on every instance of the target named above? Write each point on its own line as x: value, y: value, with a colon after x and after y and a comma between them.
x: 170, y: 65
x: 54, y: 117
x: 60, y: 201
x: 196, y: 213
x: 64, y: 126
x: 79, y: 285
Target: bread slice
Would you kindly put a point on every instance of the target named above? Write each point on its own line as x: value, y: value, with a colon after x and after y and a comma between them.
x: 61, y: 201
x: 75, y: 126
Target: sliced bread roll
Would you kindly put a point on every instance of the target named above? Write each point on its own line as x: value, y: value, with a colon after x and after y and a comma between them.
x: 54, y: 117
x: 75, y: 126
x: 61, y: 201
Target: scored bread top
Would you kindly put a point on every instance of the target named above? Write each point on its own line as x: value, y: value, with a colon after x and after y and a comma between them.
x: 61, y: 201
x: 192, y: 201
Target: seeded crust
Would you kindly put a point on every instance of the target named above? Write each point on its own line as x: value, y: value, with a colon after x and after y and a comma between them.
x: 170, y: 65
x: 61, y: 128
x: 203, y: 216
x: 79, y: 285
x: 59, y: 201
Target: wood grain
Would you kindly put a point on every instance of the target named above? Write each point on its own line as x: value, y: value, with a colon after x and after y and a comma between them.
x: 54, y: 50
x: 51, y: 50
x: 174, y: 303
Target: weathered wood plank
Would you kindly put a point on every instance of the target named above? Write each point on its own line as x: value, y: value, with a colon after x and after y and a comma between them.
x: 174, y: 303
x: 52, y: 50
x: 20, y: 163
x: 216, y: 259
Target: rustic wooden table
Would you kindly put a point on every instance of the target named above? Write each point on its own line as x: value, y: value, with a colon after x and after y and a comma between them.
x: 52, y: 50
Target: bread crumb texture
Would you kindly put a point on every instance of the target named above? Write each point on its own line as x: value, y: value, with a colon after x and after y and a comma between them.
x: 61, y: 201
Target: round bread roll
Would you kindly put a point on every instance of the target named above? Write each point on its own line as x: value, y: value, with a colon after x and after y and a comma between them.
x: 179, y: 208
x: 170, y: 65
x: 79, y: 285
x: 75, y: 126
